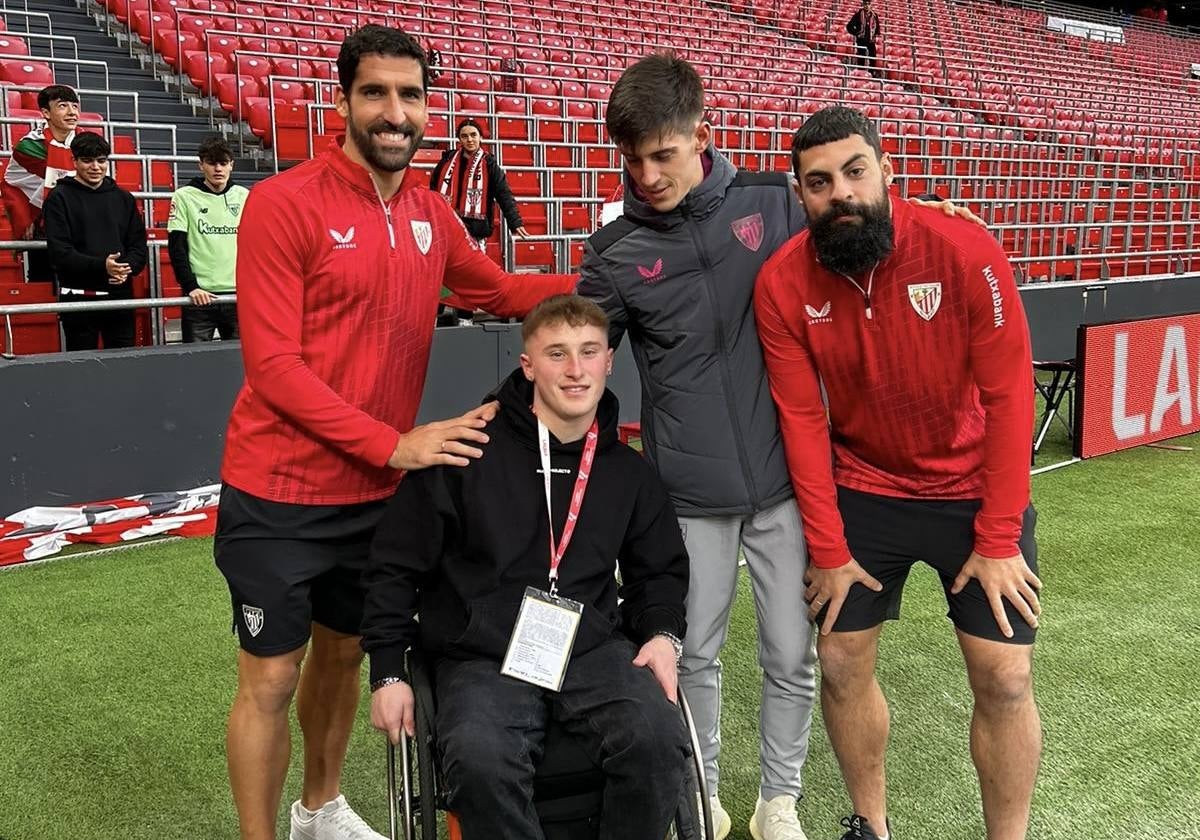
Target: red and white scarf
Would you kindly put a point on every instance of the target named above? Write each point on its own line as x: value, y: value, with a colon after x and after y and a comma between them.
x: 464, y: 184
x: 59, y: 160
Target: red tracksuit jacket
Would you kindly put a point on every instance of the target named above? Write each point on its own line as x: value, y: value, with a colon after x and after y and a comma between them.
x: 337, y: 296
x: 928, y: 373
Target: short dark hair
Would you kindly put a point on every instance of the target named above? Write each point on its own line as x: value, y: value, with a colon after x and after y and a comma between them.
x: 469, y: 122
x: 573, y: 310
x: 659, y: 95
x: 89, y: 146
x: 214, y: 149
x: 374, y: 39
x: 56, y: 93
x: 830, y: 125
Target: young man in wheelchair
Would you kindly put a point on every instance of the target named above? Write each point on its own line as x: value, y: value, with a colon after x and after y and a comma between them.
x: 521, y: 621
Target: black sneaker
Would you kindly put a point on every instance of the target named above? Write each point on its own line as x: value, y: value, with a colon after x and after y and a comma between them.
x: 858, y: 829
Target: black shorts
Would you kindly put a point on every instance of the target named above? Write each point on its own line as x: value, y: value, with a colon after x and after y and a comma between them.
x: 291, y: 565
x: 888, y: 535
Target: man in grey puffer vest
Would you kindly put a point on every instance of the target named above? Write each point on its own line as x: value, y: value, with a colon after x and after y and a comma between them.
x: 677, y: 273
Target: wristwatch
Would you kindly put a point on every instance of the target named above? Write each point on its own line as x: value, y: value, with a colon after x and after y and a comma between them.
x: 386, y: 681
x: 675, y: 643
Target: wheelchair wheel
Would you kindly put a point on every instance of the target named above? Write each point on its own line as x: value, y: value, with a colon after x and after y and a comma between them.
x: 425, y: 811
x: 695, y: 809
x: 689, y: 821
x: 412, y: 798
x: 425, y: 798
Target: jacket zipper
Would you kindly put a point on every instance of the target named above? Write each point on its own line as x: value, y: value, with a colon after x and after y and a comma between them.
x: 866, y: 293
x: 387, y: 214
x: 739, y: 441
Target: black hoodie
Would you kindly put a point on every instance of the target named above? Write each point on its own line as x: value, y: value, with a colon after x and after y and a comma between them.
x: 84, y: 226
x: 458, y: 545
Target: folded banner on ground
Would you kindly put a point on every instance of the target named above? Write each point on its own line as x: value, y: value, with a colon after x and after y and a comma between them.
x: 39, y: 532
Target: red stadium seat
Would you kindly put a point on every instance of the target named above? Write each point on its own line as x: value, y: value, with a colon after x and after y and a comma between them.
x: 252, y: 65
x: 516, y: 154
x: 576, y: 217
x: 12, y: 45
x: 30, y: 73
x: 200, y: 68
x: 512, y: 122
x: 232, y: 91
x: 473, y: 103
x: 524, y: 183
x: 561, y: 157
x: 533, y: 254
x: 170, y: 44
x: 292, y: 67
x: 473, y: 81
x: 534, y: 216
x: 540, y: 87
x: 568, y: 184
x: 145, y: 22
x: 290, y: 91
x: 32, y: 333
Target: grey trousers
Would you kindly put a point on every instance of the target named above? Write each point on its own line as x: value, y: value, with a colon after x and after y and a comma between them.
x: 773, y: 542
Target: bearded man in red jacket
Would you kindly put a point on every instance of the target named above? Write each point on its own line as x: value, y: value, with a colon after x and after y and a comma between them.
x: 911, y: 322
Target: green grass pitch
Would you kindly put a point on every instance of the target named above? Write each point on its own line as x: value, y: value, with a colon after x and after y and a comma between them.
x: 116, y: 672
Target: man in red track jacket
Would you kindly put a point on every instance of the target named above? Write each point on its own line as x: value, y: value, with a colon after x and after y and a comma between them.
x: 341, y: 262
x: 912, y: 323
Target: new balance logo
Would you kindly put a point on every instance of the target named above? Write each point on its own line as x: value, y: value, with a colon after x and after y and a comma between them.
x: 344, y: 241
x: 819, y: 316
x: 651, y: 275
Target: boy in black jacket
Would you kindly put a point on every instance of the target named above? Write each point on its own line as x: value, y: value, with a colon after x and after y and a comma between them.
x: 471, y: 550
x: 97, y: 243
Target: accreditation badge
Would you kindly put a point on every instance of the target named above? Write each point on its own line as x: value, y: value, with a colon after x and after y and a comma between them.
x: 540, y: 648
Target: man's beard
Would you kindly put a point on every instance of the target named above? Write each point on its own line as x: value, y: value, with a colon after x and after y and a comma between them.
x: 384, y: 161
x: 853, y: 247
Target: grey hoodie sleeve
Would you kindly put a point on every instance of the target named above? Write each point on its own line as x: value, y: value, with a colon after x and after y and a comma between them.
x: 597, y: 286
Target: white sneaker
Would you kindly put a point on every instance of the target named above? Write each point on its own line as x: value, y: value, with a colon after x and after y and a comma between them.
x: 721, y: 821
x: 776, y: 820
x: 335, y: 820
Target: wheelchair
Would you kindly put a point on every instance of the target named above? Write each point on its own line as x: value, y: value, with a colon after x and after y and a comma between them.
x: 568, y: 785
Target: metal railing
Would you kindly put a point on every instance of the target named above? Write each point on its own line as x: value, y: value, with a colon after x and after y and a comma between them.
x: 27, y: 17
x: 74, y: 63
x: 51, y: 40
x: 155, y: 303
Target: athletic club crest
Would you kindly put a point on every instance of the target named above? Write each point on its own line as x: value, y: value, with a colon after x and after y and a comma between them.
x: 254, y: 619
x: 423, y: 234
x: 925, y: 298
x: 749, y: 231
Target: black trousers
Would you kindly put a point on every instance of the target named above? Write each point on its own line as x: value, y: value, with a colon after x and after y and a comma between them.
x: 491, y: 730
x: 866, y: 56
x: 201, y: 323
x: 85, y: 330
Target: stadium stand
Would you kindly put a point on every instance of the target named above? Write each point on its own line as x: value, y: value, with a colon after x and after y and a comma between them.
x: 1080, y: 153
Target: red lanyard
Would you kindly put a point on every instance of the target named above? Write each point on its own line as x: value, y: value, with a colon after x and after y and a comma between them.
x: 581, y: 480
